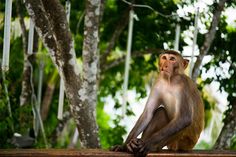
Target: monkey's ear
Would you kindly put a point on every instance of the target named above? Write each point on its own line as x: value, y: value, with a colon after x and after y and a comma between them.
x: 185, y: 63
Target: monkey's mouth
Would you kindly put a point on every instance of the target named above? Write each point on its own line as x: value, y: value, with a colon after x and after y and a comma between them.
x: 165, y: 71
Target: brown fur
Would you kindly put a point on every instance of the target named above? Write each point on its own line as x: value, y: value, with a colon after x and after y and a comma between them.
x: 174, y: 113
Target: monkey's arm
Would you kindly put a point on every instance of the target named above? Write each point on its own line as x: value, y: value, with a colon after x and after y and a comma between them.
x: 183, y: 118
x: 132, y: 140
x: 146, y: 116
x: 167, y: 133
x: 140, y: 125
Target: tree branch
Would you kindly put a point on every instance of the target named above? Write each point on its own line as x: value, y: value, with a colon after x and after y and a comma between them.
x: 209, y: 37
x: 59, y: 26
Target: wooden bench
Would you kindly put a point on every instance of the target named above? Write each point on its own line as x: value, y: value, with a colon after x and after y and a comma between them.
x: 105, y: 153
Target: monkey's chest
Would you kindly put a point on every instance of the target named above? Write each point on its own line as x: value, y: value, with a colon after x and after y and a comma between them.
x: 169, y: 97
x: 169, y: 102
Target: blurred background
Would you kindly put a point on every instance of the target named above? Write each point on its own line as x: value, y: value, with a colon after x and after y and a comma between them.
x: 186, y: 26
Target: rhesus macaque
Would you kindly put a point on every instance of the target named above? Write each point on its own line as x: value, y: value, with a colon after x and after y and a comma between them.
x: 174, y: 113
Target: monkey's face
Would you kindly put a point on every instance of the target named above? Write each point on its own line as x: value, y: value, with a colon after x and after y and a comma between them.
x: 171, y: 65
x: 168, y: 63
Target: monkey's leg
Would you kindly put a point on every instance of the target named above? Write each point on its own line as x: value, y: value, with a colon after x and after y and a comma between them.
x: 183, y: 141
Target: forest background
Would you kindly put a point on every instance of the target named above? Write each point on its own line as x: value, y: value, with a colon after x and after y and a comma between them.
x: 82, y: 46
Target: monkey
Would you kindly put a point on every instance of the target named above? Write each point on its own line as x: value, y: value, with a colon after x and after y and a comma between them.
x: 174, y: 112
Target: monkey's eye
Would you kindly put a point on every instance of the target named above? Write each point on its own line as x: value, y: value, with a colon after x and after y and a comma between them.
x: 172, y: 58
x: 163, y: 57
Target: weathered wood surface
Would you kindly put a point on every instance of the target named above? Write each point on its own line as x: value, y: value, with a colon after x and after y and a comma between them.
x: 194, y: 153
x: 60, y: 152
x: 105, y: 153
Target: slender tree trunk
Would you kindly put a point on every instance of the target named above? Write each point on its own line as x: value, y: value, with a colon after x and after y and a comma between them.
x: 228, y: 130
x: 47, y: 99
x: 48, y: 94
x: 88, y: 91
x: 25, y: 116
x: 26, y: 90
x: 51, y: 24
x: 209, y: 37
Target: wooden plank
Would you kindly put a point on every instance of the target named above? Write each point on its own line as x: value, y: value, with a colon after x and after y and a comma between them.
x: 106, y: 153
x: 60, y: 152
x: 194, y: 153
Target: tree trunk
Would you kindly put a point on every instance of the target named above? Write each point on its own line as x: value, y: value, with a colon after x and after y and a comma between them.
x: 25, y: 116
x: 26, y: 91
x: 51, y: 24
x: 228, y: 130
x: 209, y: 37
x: 48, y: 94
x: 88, y: 91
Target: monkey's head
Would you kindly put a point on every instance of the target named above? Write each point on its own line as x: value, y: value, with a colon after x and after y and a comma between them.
x: 171, y: 63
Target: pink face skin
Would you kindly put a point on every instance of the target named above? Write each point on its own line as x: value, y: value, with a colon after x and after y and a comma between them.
x: 171, y: 64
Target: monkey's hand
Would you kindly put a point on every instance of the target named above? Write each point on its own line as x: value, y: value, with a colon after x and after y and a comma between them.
x: 118, y: 148
x: 144, y: 148
x: 134, y: 145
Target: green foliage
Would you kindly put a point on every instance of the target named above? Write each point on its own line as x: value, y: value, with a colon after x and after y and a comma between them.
x: 223, y: 51
x: 5, y: 124
x: 25, y: 118
x: 109, y: 135
x: 233, y: 143
x: 13, y: 81
x: 203, y: 144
